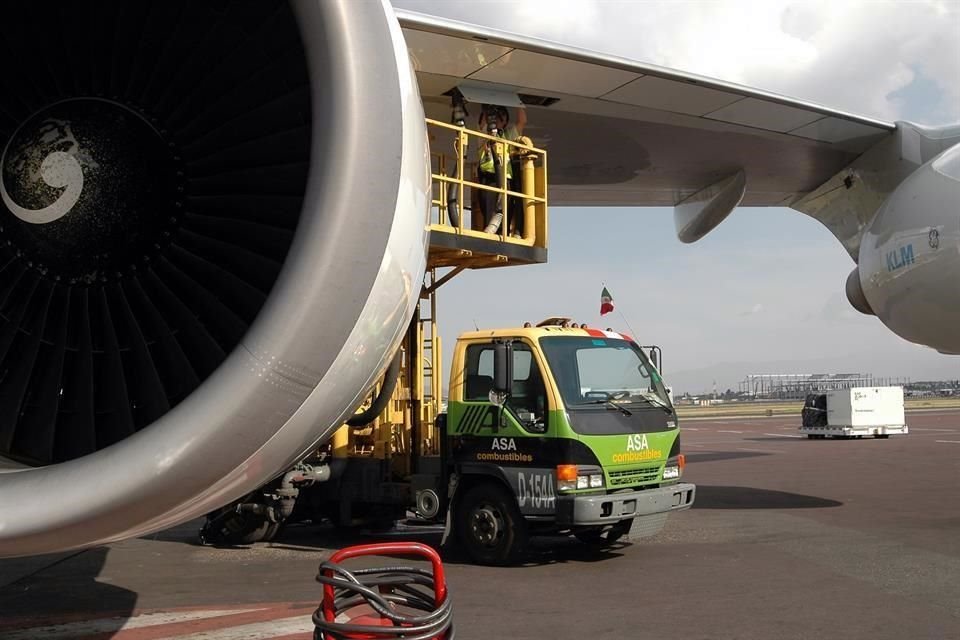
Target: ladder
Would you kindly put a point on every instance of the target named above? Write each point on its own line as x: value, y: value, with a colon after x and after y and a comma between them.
x: 428, y: 367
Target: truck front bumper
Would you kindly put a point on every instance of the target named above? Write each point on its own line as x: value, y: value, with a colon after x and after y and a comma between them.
x: 613, y: 507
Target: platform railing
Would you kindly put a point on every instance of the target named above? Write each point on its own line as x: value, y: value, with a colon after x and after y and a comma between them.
x: 453, y: 173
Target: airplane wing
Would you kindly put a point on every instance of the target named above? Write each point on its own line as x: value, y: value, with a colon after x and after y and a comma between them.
x: 625, y: 133
x: 621, y: 132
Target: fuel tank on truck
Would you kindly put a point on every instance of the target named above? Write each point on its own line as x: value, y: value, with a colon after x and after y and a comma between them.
x: 212, y: 238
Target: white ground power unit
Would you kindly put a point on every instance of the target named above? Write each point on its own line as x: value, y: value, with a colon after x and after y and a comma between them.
x: 854, y: 413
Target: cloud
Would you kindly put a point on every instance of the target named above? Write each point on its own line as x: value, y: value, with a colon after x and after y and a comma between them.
x: 754, y: 310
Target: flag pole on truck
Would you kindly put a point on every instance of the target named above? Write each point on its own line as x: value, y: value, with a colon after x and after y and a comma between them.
x: 607, y: 306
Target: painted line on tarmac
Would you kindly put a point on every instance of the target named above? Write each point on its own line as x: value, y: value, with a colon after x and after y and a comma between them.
x: 923, y: 429
x: 949, y: 441
x: 738, y: 419
x: 114, y: 625
x: 781, y: 435
x: 723, y: 431
x: 759, y: 450
x: 946, y: 411
x: 727, y: 419
x: 269, y: 630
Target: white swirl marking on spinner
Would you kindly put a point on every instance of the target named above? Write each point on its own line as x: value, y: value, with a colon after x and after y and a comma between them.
x: 60, y: 170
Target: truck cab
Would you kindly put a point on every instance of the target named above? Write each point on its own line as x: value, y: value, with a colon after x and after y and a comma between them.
x: 554, y: 429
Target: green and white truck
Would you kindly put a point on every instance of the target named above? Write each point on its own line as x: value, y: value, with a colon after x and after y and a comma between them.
x: 550, y: 429
x: 554, y: 429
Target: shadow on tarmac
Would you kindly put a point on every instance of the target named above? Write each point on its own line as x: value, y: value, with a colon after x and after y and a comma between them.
x: 563, y: 550
x: 542, y: 550
x: 722, y: 455
x: 67, y: 589
x: 717, y: 497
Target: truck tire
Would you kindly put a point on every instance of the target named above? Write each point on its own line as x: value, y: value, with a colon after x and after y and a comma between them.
x: 490, y: 526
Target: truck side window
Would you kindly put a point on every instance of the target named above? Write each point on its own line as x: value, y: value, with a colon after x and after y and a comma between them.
x: 479, y: 378
x: 529, y: 399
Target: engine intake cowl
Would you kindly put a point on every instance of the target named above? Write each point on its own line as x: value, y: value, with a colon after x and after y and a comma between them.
x: 212, y: 238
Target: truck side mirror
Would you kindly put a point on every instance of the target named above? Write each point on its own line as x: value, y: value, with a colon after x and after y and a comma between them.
x: 653, y: 359
x: 503, y: 368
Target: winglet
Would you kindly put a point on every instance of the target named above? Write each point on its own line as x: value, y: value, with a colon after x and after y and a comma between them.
x: 698, y: 214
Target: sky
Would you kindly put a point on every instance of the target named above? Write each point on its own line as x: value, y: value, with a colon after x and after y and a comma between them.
x: 764, y: 292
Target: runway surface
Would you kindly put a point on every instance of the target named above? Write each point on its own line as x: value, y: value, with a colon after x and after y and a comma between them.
x: 789, y: 538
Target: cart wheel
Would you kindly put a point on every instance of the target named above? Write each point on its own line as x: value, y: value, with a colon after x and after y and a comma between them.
x: 491, y: 527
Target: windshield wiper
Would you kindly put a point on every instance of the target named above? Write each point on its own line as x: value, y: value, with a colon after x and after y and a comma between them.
x: 609, y: 403
x: 657, y: 402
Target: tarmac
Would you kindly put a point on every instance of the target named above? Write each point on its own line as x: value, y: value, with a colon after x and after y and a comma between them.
x: 789, y: 538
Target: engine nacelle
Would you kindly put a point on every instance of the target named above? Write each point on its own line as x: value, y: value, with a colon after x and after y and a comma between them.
x: 910, y: 256
x: 212, y: 238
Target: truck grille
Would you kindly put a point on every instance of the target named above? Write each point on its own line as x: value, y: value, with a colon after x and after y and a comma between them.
x: 633, y: 476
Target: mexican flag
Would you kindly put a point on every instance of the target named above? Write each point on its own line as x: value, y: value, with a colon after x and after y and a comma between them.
x: 606, y: 302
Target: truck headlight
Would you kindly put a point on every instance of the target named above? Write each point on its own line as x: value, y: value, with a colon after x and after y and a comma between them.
x: 571, y: 477
x: 674, y: 467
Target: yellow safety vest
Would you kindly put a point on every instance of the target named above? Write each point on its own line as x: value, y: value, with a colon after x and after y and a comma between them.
x: 486, y: 158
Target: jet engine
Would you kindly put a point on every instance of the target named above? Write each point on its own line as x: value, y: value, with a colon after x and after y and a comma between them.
x: 212, y: 238
x: 910, y: 255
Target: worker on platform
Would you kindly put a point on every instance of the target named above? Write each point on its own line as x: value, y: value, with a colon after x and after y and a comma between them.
x: 489, y: 169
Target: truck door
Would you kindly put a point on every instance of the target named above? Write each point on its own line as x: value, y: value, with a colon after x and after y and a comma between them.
x: 510, y: 442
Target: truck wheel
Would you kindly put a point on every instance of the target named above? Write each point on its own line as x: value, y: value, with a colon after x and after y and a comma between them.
x: 490, y: 526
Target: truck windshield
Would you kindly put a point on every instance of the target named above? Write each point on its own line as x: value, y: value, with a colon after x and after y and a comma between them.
x: 592, y: 371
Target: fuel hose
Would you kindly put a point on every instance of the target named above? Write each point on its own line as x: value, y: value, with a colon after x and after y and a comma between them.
x: 380, y: 402
x: 401, y: 602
